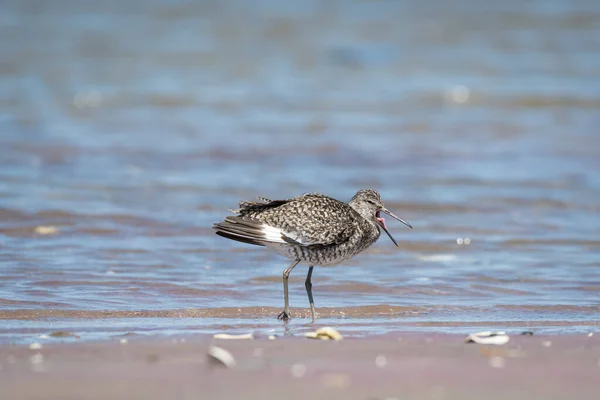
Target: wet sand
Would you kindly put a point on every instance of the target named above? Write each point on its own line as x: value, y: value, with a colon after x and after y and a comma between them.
x: 399, y: 365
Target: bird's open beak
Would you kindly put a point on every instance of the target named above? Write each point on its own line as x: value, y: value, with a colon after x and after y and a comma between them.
x: 381, y: 222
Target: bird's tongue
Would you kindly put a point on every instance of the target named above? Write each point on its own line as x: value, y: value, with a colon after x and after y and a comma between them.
x: 380, y: 219
x: 381, y: 222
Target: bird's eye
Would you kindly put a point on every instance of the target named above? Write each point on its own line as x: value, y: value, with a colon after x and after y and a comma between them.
x: 371, y: 202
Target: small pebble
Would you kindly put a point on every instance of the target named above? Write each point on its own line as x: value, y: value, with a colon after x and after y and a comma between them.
x: 123, y: 341
x: 298, y: 370
x: 590, y: 334
x: 546, y: 343
x: 459, y: 94
x: 46, y: 230
x: 381, y: 361
x: 35, y: 346
x: 497, y: 362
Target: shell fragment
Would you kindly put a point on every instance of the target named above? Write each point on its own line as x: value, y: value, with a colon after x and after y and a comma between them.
x: 497, y: 338
x: 221, y: 357
x: 326, y: 333
x: 226, y: 336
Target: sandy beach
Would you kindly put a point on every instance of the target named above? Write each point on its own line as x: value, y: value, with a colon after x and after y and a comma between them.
x: 395, y: 366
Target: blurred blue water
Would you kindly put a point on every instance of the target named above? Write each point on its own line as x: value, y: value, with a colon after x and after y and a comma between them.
x: 132, y: 127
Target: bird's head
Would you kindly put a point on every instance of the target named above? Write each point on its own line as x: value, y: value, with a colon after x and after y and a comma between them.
x: 368, y: 203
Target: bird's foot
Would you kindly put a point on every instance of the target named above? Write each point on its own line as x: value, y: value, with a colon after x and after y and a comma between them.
x: 284, y: 316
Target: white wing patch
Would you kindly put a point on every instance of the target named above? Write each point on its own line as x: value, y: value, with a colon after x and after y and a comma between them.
x: 277, y: 235
x: 272, y: 234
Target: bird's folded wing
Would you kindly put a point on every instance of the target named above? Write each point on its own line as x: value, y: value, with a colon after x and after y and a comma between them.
x: 254, y: 231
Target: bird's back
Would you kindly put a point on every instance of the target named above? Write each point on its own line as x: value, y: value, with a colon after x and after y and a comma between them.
x: 315, y: 228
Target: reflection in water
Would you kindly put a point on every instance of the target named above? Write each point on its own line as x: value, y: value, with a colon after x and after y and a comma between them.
x: 124, y: 136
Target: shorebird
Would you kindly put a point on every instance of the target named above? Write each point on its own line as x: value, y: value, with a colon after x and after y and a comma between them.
x: 313, y: 229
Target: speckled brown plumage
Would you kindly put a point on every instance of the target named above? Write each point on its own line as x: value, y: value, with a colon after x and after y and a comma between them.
x: 312, y: 228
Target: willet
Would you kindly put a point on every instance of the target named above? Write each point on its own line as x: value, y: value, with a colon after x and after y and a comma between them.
x: 312, y: 229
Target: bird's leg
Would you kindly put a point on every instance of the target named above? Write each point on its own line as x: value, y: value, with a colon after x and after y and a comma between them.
x: 308, y: 285
x: 285, y: 314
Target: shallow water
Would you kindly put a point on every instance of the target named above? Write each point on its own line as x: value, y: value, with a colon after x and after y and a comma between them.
x: 127, y: 134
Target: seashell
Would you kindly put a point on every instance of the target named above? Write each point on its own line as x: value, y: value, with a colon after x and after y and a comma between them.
x: 225, y: 336
x: 221, y: 357
x: 325, y: 333
x: 487, y: 337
